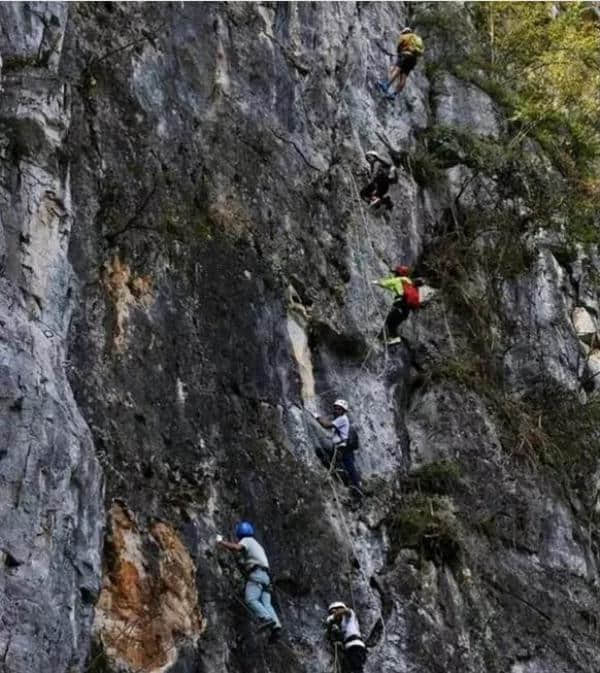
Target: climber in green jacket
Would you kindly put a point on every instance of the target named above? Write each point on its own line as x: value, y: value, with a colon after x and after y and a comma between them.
x: 406, y: 297
x: 409, y: 47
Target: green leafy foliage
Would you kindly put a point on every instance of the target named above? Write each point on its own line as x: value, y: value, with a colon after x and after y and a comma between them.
x: 427, y: 524
x: 541, y: 62
x: 546, y: 56
x: 440, y: 476
x: 554, y: 429
x: 550, y: 429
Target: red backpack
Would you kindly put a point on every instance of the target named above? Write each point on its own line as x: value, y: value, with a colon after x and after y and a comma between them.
x: 411, y: 295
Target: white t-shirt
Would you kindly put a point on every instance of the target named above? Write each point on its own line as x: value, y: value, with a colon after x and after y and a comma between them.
x: 342, y: 428
x: 349, y: 626
x: 253, y: 554
x: 349, y: 629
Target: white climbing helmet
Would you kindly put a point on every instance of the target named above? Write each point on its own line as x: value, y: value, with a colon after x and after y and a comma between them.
x: 335, y: 605
x: 342, y: 404
x: 406, y: 30
x: 371, y: 156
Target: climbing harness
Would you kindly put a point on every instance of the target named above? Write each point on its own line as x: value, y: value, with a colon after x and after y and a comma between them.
x: 254, y: 620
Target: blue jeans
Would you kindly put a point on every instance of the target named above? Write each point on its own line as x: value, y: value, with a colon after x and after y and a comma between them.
x: 258, y: 596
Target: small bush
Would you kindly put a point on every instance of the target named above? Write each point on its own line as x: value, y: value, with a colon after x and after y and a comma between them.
x: 441, y: 476
x: 555, y: 430
x: 425, y: 168
x: 427, y: 524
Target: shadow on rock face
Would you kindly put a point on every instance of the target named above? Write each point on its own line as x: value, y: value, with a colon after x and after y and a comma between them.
x: 344, y: 345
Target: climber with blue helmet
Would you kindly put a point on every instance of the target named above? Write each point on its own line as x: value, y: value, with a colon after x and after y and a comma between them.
x: 409, y: 47
x: 256, y: 570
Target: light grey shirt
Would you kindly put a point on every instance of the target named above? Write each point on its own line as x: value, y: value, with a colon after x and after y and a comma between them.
x: 253, y: 554
x: 349, y: 626
x: 342, y: 427
x: 349, y: 629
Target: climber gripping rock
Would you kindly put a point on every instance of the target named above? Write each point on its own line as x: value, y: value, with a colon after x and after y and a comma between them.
x: 382, y: 174
x: 342, y: 442
x: 255, y: 565
x: 343, y: 631
x: 406, y: 298
x: 409, y: 48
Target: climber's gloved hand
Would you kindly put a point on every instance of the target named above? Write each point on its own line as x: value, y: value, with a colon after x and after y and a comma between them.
x: 218, y: 538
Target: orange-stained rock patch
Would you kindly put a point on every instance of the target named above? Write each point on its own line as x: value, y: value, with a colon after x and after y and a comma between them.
x: 125, y: 289
x: 148, y: 603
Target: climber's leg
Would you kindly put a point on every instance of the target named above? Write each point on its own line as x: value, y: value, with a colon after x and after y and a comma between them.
x: 394, y: 74
x: 265, y: 599
x: 366, y: 193
x: 401, y: 82
x: 405, y: 63
x: 355, y: 659
x: 397, y: 315
x: 351, y: 471
x: 382, y: 185
x: 253, y: 593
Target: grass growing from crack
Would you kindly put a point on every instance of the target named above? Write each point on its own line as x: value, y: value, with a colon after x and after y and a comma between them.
x: 427, y: 524
x: 437, y: 477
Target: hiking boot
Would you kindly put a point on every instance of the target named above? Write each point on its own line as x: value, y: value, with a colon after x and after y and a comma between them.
x: 275, y: 634
x: 265, y: 624
x: 356, y: 494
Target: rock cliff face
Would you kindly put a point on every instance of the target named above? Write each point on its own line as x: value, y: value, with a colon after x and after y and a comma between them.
x: 186, y: 270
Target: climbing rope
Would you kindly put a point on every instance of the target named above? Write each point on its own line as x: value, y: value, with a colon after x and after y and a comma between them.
x: 337, y: 660
x: 361, y: 267
x: 254, y: 619
x: 331, y: 479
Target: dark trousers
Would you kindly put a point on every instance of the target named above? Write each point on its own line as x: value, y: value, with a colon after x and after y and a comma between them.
x: 326, y: 455
x: 398, y: 314
x: 351, y: 471
x: 354, y: 659
x: 378, y: 189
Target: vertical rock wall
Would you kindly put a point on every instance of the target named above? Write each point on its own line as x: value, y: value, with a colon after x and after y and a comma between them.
x: 50, y: 482
x: 183, y: 245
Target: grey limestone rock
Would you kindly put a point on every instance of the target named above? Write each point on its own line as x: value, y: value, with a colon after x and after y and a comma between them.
x: 187, y: 272
x: 52, y: 514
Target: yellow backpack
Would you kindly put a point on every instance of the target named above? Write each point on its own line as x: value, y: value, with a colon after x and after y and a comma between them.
x: 413, y: 43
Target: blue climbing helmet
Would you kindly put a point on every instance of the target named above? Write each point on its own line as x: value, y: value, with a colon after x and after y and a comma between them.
x: 244, y: 529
